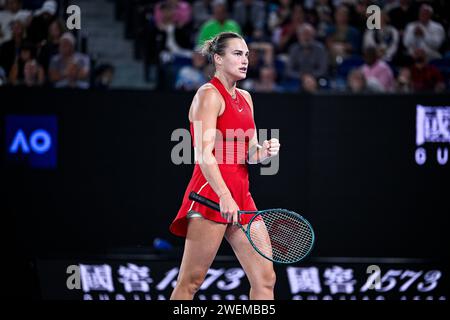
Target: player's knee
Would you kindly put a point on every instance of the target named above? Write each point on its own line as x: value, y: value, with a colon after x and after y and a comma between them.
x: 271, y: 279
x: 267, y: 279
x: 194, y: 280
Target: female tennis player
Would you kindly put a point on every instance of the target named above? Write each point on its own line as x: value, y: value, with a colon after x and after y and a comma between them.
x: 224, y: 139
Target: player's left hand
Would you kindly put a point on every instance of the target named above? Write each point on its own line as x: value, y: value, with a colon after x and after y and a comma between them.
x: 270, y: 147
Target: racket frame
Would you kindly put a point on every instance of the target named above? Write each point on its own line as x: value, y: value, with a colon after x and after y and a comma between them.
x: 215, y: 206
x: 261, y: 213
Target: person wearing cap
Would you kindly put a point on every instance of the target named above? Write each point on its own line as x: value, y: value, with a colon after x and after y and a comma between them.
x: 69, y: 68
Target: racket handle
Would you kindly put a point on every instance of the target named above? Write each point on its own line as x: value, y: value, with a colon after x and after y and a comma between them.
x: 205, y: 201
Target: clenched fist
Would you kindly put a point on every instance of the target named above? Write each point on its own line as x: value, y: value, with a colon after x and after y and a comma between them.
x: 270, y: 148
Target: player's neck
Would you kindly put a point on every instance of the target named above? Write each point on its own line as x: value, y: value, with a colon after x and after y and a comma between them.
x: 229, y: 84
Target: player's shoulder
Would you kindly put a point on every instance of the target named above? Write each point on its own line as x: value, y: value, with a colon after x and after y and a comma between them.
x: 208, y: 97
x: 208, y: 91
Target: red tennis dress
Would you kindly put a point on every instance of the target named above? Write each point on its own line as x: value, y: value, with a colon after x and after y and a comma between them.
x: 236, y: 127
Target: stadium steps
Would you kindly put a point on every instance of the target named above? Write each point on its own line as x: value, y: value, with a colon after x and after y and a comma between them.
x: 107, y: 43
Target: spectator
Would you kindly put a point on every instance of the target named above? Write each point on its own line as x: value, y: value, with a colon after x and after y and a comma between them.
x: 9, y: 49
x: 38, y: 28
x: 166, y: 41
x: 263, y: 52
x: 376, y: 71
x: 190, y: 78
x: 359, y: 14
x: 279, y: 14
x: 26, y: 70
x: 103, y: 77
x: 342, y: 39
x: 255, y: 63
x: 251, y: 16
x: 402, y: 14
x: 424, y: 33
x: 425, y: 77
x: 285, y: 35
x: 51, y: 45
x: 386, y: 39
x: 34, y: 74
x: 202, y: 12
x: 182, y: 12
x: 267, y: 81
x: 260, y: 55
x: 324, y: 15
x: 69, y: 68
x: 309, y: 83
x: 307, y: 56
x: 72, y: 77
x: 219, y: 23
x: 170, y: 40
x: 404, y: 84
x: 13, y: 11
x: 356, y: 82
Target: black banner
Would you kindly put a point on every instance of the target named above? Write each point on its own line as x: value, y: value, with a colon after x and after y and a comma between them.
x: 322, y: 279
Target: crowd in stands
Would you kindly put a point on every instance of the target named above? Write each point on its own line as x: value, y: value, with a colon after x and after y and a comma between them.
x: 36, y: 49
x: 309, y: 45
x: 295, y: 45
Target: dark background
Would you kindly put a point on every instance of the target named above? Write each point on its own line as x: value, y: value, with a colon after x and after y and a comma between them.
x: 346, y: 163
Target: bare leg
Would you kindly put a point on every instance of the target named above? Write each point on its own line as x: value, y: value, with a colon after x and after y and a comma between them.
x: 259, y: 270
x: 203, y: 239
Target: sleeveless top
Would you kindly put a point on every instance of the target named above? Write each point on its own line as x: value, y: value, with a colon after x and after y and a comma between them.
x: 234, y: 128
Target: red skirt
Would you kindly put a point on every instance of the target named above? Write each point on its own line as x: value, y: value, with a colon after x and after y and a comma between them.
x: 236, y: 179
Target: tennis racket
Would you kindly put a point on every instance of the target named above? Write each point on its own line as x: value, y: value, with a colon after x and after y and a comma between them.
x: 279, y: 235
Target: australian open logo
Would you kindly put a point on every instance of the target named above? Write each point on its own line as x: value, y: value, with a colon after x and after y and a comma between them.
x: 31, y: 140
x: 432, y: 134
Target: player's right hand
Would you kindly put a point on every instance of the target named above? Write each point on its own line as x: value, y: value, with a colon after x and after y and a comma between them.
x: 228, y: 208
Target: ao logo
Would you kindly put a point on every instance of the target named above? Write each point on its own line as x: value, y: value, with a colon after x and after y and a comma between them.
x: 39, y: 141
x: 31, y: 140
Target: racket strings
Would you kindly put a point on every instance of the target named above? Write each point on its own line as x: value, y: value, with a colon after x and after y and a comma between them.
x: 285, y: 245
x: 281, y: 235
